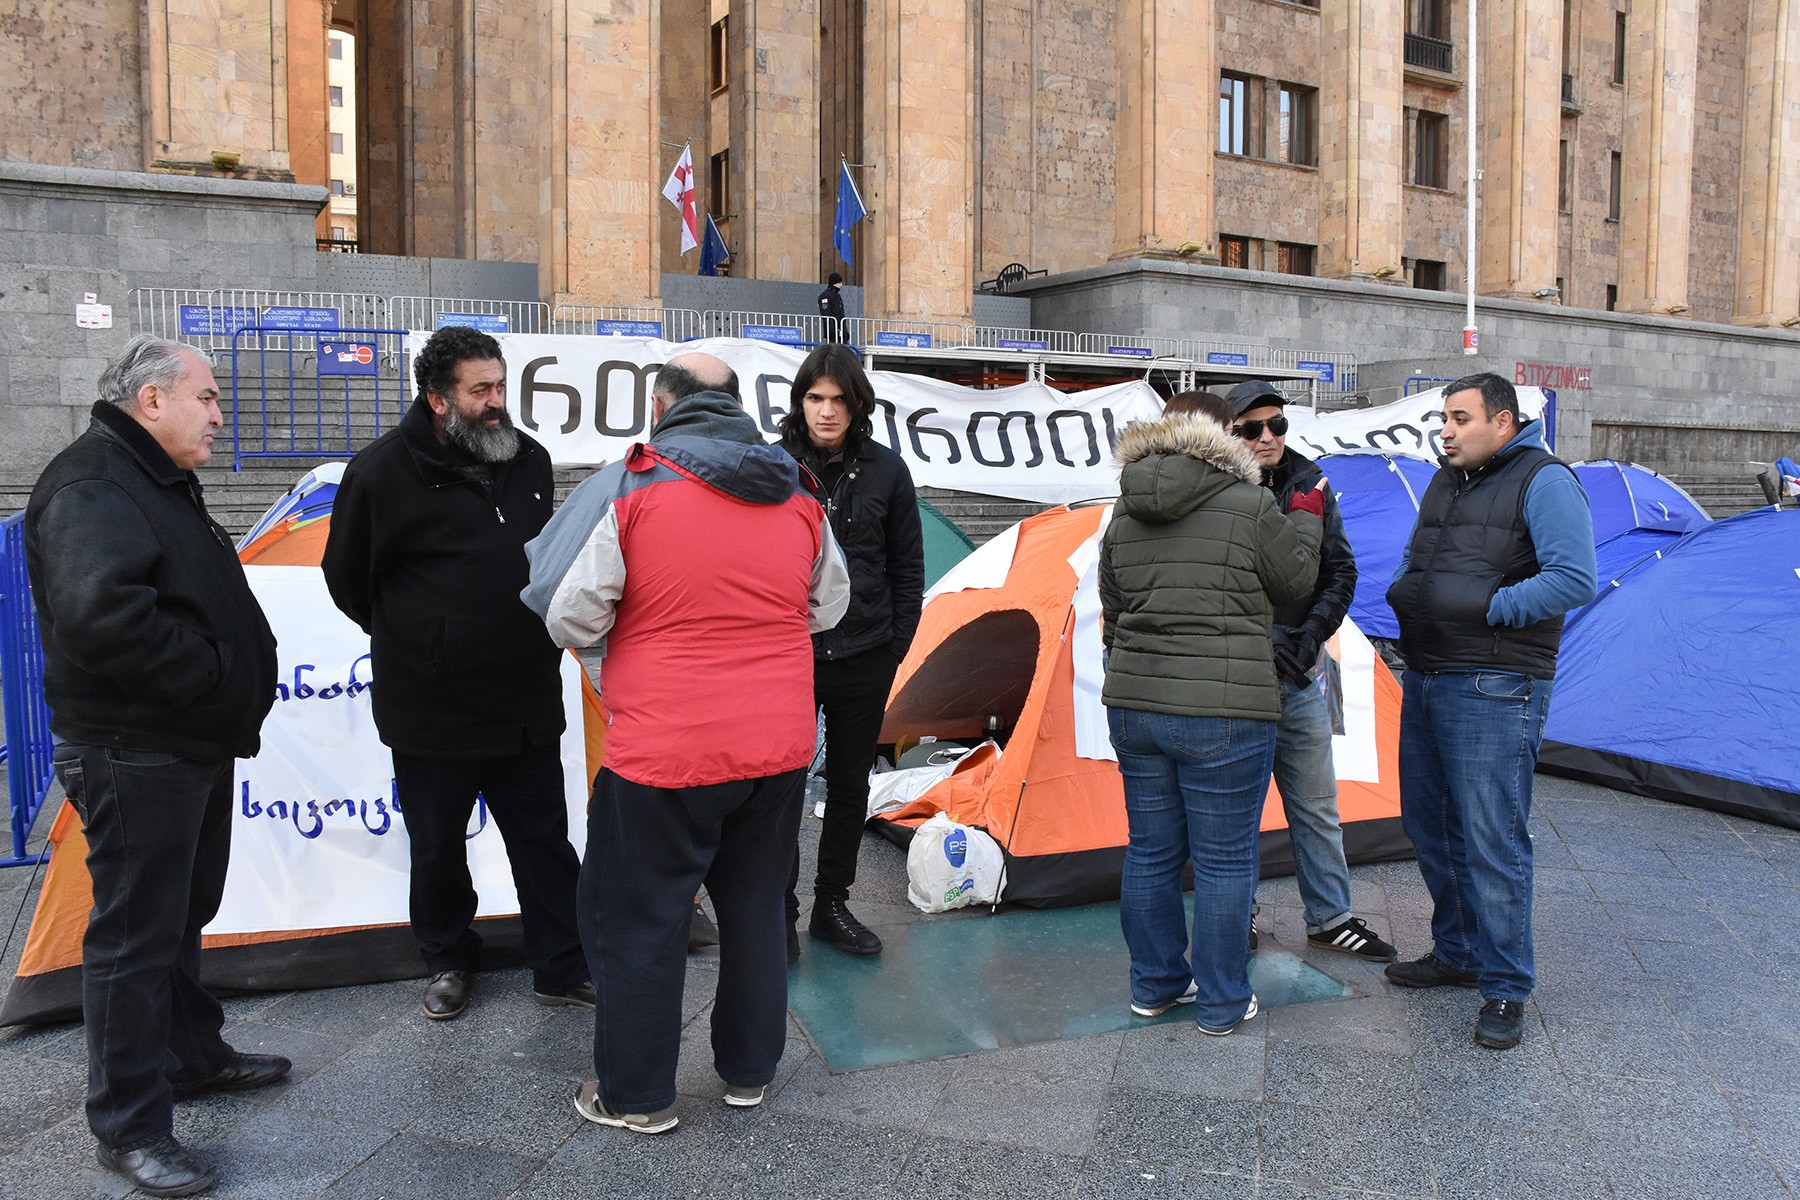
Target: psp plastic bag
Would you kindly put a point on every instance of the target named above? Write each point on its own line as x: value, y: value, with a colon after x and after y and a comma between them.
x: 950, y: 866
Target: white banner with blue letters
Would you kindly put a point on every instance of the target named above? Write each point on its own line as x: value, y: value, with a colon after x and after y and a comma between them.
x: 317, y: 837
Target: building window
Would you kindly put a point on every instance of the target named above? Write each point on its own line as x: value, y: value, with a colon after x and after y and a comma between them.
x: 718, y: 184
x: 1234, y: 252
x: 337, y: 185
x: 1428, y: 18
x: 1234, y: 114
x: 1428, y: 275
x: 1564, y: 169
x: 337, y: 143
x: 336, y: 49
x: 720, y: 59
x: 1618, y: 48
x: 1561, y: 290
x: 1431, y: 150
x: 337, y: 97
x: 338, y: 232
x: 1615, y: 186
x: 1294, y: 138
x: 1294, y: 259
x: 1612, y: 297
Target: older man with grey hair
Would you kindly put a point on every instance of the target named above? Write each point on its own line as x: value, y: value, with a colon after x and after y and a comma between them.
x: 159, y: 668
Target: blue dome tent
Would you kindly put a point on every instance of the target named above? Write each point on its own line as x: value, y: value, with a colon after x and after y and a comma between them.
x: 1379, y: 497
x: 1673, y: 683
x: 1637, y: 513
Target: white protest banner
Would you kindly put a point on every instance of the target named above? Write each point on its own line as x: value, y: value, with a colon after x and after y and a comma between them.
x: 1409, y: 426
x: 587, y: 398
x: 317, y: 838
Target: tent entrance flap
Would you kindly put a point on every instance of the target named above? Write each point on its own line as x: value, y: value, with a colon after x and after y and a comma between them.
x: 982, y: 671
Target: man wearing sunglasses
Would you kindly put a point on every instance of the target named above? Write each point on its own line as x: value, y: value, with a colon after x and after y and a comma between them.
x: 1304, y: 772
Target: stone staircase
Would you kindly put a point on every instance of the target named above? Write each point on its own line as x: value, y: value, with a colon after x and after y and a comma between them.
x: 981, y: 517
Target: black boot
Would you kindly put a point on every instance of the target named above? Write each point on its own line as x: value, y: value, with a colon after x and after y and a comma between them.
x: 832, y: 922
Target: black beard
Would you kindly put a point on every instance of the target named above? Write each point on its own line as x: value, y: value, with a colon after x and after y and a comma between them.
x: 483, y: 443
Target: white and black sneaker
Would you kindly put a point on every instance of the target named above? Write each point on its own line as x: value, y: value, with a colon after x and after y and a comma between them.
x: 1353, y: 937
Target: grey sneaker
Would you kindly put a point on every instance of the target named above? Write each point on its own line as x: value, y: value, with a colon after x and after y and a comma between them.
x: 743, y: 1097
x: 587, y: 1103
x: 1249, y: 1013
x: 1157, y: 1010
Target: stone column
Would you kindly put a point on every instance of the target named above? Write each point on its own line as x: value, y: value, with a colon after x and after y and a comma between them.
x: 1768, y: 289
x: 1521, y: 128
x: 918, y: 243
x: 1360, y: 118
x: 215, y: 78
x: 1662, y: 40
x: 775, y: 139
x: 1168, y: 129
x: 602, y: 170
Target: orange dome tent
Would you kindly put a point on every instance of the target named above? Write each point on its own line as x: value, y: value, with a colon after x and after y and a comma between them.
x: 1009, y: 642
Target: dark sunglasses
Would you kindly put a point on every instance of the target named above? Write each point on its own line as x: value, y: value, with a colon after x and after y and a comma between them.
x: 1250, y: 431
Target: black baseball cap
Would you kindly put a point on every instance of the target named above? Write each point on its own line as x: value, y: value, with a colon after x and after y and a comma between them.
x: 1254, y: 394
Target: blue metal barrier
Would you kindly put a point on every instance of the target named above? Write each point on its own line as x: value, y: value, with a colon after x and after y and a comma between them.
x: 28, y: 746
x: 334, y: 356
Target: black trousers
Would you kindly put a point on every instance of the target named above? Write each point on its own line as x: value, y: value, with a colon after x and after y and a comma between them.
x: 648, y: 852
x: 524, y: 796
x: 159, y: 841
x: 853, y: 692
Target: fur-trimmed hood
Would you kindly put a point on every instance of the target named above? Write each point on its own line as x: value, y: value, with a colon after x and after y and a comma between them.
x: 1168, y: 468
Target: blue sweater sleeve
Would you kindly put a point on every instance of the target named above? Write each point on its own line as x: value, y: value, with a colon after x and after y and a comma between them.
x: 1562, y: 535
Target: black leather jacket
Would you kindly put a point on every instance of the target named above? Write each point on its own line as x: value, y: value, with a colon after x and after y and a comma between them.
x: 152, y: 637
x: 874, y: 512
x: 1306, y: 626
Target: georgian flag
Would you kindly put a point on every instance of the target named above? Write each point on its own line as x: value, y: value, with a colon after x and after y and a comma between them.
x: 680, y: 192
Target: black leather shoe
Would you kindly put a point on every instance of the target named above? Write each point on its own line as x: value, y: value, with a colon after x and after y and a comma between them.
x: 242, y: 1073
x: 576, y: 995
x: 446, y: 995
x: 832, y: 922
x: 163, y: 1168
x: 1428, y: 972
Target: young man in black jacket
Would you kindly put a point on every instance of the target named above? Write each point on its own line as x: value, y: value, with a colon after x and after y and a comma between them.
x: 427, y: 554
x: 874, y: 511
x: 1304, y: 772
x: 159, y: 668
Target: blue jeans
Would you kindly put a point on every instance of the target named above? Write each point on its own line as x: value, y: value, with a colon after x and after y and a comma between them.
x: 1307, y: 780
x: 1194, y: 789
x: 1468, y: 745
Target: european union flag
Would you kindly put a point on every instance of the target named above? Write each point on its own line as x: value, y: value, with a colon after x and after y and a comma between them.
x: 713, y: 250
x: 850, y: 210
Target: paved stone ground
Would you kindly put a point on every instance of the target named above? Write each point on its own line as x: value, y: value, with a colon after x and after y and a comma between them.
x: 1662, y: 1059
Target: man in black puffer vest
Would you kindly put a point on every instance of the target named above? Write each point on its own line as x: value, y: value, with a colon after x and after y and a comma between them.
x: 1504, y: 546
x: 1304, y: 771
x: 159, y: 668
x: 869, y: 498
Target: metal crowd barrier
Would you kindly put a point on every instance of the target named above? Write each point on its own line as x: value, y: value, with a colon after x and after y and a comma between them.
x: 1056, y: 341
x: 782, y: 329
x: 432, y: 313
x: 28, y: 748
x: 288, y: 358
x: 883, y: 331
x: 629, y: 320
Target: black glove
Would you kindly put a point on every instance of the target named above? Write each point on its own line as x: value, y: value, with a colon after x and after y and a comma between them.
x: 1295, y: 655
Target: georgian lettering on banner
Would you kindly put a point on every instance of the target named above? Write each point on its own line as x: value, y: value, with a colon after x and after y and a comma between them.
x: 318, y: 840
x: 587, y: 399
x: 1409, y: 427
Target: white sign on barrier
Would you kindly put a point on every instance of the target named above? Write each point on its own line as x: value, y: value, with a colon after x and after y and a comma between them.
x: 1408, y: 427
x: 587, y: 399
x: 317, y: 838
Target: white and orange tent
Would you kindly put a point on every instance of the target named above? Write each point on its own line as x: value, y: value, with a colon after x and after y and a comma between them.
x: 316, y: 893
x: 1009, y: 643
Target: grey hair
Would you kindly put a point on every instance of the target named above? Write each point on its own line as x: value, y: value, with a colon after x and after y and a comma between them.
x: 146, y: 359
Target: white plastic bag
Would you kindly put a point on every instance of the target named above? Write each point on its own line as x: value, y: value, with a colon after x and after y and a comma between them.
x: 950, y: 866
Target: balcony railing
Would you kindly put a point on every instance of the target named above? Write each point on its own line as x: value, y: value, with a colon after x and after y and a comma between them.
x: 1434, y: 54
x: 337, y: 246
